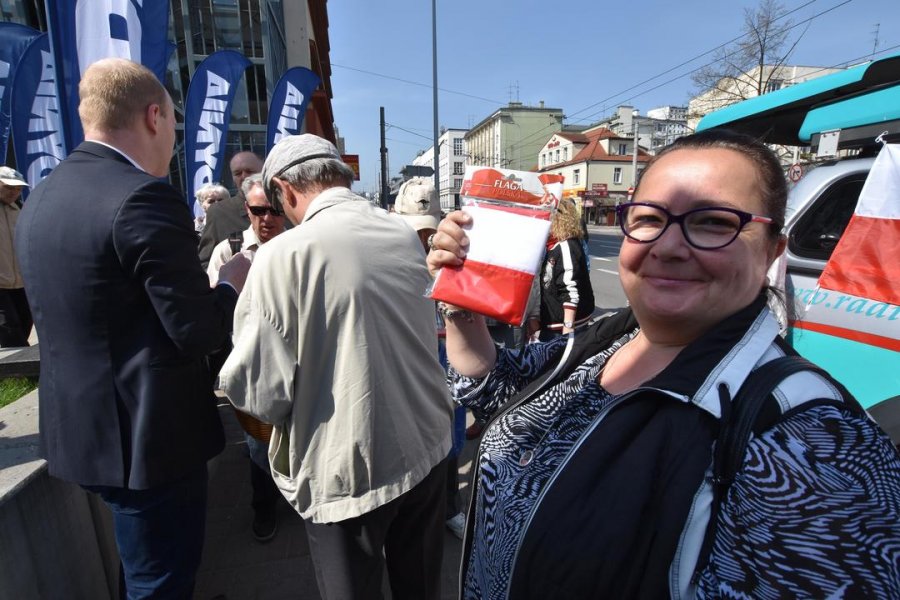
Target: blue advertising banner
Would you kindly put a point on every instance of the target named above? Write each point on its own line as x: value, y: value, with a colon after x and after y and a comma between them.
x: 288, y: 106
x: 207, y: 111
x: 36, y: 119
x: 14, y: 39
x: 85, y: 31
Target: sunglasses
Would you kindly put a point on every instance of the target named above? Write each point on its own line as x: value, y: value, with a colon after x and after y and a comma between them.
x: 261, y: 211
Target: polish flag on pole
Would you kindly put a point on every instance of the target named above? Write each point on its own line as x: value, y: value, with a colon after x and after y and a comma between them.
x: 864, y: 263
x: 511, y: 212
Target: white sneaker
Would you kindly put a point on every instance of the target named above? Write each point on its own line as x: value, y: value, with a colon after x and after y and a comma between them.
x: 457, y: 525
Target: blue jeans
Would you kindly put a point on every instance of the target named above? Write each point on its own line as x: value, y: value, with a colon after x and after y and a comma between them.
x: 159, y: 533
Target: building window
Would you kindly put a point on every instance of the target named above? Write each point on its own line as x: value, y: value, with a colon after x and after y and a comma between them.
x: 623, y: 149
x: 458, y: 147
x: 457, y: 183
x: 576, y: 176
x: 543, y: 159
x: 617, y: 175
x: 458, y: 168
x: 774, y: 85
x: 566, y: 153
x: 557, y: 156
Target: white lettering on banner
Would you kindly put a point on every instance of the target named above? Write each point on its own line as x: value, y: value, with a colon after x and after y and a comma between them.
x: 287, y: 121
x: 4, y: 73
x: 47, y: 150
x: 93, y: 38
x: 213, y: 114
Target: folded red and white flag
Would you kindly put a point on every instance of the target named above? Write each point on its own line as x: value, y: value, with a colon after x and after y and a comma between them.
x: 511, y: 212
x: 865, y: 261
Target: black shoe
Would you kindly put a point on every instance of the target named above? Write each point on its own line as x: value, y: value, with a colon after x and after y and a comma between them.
x: 265, y: 524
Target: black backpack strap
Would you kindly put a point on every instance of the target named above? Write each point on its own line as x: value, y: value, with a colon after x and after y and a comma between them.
x: 753, y: 411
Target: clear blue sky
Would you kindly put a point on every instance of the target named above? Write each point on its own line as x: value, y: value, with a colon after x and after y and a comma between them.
x: 579, y: 55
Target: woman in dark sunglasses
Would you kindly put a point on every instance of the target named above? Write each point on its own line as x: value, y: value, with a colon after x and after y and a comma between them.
x: 608, y: 469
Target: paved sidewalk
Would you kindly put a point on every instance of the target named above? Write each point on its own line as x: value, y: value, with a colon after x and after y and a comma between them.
x: 237, y: 567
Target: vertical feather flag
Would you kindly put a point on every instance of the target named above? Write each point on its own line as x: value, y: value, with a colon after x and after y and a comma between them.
x: 36, y: 119
x: 207, y: 112
x: 85, y: 31
x: 289, y: 102
x: 14, y: 40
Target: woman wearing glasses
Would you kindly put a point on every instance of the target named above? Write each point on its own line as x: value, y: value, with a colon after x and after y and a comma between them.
x: 595, y: 477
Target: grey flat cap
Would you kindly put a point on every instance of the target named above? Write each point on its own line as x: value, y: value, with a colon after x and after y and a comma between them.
x: 292, y: 150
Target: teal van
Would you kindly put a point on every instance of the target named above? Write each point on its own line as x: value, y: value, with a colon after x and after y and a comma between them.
x: 850, y: 113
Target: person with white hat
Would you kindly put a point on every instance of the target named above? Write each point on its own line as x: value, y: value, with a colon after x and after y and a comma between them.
x: 335, y: 344
x: 15, y: 315
x: 418, y: 205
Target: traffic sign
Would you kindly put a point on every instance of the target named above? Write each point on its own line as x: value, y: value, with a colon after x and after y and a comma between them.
x: 795, y: 172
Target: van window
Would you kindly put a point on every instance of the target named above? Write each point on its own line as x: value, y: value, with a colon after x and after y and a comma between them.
x: 818, y: 231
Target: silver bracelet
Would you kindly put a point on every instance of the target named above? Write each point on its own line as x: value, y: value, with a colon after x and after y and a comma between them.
x: 450, y: 312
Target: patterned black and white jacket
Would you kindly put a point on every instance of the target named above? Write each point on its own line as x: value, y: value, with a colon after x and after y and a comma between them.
x: 581, y: 494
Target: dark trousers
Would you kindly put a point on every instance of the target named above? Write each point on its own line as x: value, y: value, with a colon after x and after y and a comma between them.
x: 406, y: 535
x: 159, y: 533
x: 15, y: 318
x: 452, y: 504
x: 265, y: 492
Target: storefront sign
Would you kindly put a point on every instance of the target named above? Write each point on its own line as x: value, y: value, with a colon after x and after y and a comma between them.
x: 352, y: 161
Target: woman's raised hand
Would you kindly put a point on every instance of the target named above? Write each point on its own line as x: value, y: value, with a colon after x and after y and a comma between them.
x: 450, y: 244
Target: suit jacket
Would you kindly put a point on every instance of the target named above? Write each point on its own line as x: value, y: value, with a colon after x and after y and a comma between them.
x: 125, y: 318
x: 222, y: 219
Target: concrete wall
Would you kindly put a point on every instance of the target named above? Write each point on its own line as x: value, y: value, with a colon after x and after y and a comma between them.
x: 56, y: 540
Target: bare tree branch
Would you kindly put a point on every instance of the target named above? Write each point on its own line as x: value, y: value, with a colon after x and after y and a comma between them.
x: 747, y: 67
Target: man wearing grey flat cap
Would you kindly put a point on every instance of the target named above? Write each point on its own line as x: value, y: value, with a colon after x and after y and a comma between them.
x: 335, y: 344
x: 15, y: 316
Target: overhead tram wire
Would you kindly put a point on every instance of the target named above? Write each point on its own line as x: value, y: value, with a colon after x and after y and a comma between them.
x: 793, y: 26
x: 391, y: 125
x: 610, y: 98
x: 616, y: 95
x: 425, y: 85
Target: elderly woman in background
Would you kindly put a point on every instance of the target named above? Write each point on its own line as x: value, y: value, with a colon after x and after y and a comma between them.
x: 597, y: 478
x: 207, y: 195
x: 567, y: 298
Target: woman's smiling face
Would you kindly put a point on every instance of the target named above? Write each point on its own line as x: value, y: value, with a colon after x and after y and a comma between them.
x: 680, y: 291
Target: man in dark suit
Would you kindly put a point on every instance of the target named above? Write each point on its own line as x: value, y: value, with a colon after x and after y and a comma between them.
x: 125, y: 318
x: 229, y: 216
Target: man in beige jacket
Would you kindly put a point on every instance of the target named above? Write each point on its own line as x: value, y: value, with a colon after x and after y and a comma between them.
x: 335, y: 344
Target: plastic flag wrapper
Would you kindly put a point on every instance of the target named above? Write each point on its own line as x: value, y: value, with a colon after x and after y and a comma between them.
x: 511, y: 213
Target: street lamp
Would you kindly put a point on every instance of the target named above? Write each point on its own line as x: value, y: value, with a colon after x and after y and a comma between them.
x: 634, y: 121
x: 437, y: 150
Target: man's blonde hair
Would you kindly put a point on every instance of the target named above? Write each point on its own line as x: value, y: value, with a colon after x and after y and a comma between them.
x: 114, y: 92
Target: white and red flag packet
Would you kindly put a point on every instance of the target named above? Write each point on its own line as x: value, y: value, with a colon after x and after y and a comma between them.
x: 511, y: 212
x: 865, y: 262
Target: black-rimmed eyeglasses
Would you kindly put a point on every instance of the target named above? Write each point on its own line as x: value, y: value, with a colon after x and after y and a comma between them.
x: 261, y: 211
x: 707, y: 228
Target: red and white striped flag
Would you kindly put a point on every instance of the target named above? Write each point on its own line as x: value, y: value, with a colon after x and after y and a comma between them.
x: 865, y: 262
x: 511, y: 212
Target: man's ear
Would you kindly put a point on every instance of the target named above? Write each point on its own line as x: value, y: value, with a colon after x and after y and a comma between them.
x: 288, y: 195
x: 152, y: 117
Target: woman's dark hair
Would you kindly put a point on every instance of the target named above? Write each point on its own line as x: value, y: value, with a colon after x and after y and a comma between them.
x: 773, y: 186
